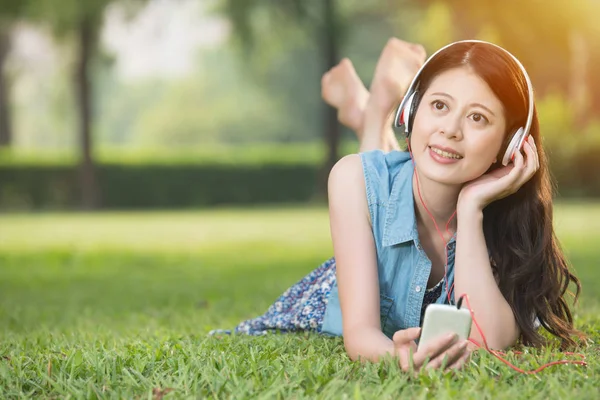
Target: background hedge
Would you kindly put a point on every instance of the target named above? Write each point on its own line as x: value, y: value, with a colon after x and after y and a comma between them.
x: 188, y: 185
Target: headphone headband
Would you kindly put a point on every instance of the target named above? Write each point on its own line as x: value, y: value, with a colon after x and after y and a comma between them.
x: 415, y: 82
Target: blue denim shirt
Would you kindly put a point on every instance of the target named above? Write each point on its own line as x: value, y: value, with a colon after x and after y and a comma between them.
x: 402, y: 265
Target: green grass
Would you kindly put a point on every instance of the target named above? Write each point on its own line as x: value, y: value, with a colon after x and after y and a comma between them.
x: 117, y: 305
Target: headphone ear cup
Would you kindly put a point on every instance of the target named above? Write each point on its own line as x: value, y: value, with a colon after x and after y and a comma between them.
x: 513, y: 146
x: 412, y: 111
x: 402, y: 114
x: 406, y: 114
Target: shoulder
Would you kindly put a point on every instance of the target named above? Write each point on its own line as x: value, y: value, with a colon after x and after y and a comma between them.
x: 346, y: 190
x: 346, y: 176
x: 370, y: 179
x: 383, y: 170
x: 380, y: 165
x: 375, y: 160
x: 368, y: 166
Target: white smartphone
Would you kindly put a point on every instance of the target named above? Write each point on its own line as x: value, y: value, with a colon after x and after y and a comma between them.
x: 441, y: 319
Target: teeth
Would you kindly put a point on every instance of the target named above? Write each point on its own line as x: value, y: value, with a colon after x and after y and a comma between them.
x: 445, y: 154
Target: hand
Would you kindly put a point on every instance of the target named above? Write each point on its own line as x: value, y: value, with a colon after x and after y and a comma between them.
x: 443, y: 353
x: 501, y: 182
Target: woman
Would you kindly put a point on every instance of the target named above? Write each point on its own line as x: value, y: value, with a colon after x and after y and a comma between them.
x: 391, y: 259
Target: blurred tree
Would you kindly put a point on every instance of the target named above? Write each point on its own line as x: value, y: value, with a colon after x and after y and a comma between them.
x: 325, y: 22
x: 320, y: 19
x: 10, y: 12
x: 80, y: 22
x: 216, y: 104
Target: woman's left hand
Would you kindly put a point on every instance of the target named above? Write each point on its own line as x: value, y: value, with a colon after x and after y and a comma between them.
x: 502, y: 182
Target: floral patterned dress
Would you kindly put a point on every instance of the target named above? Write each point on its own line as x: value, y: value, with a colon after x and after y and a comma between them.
x: 302, y: 306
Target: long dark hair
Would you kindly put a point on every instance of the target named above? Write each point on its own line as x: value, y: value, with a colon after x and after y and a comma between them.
x: 531, y: 269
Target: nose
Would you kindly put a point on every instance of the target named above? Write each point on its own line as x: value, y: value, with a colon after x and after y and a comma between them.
x: 451, y: 127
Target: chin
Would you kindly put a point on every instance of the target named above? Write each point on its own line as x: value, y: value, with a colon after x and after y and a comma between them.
x: 443, y: 174
x: 444, y: 179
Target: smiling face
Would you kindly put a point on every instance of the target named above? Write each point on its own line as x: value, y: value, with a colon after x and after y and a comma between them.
x: 458, y: 129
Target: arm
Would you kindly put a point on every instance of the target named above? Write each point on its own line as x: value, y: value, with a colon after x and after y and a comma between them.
x: 358, y: 281
x: 473, y: 272
x: 473, y: 275
x: 355, y: 254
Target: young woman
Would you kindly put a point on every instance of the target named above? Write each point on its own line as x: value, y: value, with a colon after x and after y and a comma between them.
x: 496, y: 244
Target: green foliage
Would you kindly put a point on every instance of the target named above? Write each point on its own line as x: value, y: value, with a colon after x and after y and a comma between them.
x: 65, y: 16
x: 44, y: 111
x: 251, y: 18
x: 207, y: 109
x: 119, y: 305
x: 574, y: 153
x: 11, y: 10
x: 272, y: 91
x: 215, y: 154
x: 435, y: 28
x: 213, y: 175
x: 164, y: 186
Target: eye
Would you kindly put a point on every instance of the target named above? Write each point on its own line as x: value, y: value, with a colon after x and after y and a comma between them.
x: 438, y: 105
x: 479, y: 118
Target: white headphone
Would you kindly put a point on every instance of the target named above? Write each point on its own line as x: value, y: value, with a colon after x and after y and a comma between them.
x: 408, y: 107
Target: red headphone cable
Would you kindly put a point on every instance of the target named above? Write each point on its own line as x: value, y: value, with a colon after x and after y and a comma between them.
x: 496, y: 353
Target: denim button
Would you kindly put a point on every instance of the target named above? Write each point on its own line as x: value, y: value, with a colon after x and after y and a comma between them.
x: 418, y: 289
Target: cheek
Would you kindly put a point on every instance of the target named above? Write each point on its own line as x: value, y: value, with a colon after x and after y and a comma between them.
x: 487, y: 148
x: 418, y: 136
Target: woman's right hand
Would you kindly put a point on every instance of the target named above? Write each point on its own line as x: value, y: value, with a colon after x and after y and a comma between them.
x: 444, y: 352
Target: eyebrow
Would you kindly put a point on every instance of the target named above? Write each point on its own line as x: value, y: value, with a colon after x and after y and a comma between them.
x: 472, y: 104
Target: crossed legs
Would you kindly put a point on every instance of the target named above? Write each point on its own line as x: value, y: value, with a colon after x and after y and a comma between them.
x: 369, y: 114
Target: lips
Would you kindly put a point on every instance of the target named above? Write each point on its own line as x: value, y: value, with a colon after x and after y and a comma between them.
x: 446, y: 152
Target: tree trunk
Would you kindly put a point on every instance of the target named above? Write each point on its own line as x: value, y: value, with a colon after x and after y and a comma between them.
x: 5, y: 120
x: 87, y: 176
x: 329, y: 46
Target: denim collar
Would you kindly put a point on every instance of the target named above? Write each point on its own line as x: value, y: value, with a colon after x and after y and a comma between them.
x: 400, y: 220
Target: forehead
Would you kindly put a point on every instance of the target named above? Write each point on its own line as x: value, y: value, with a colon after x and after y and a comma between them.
x: 464, y: 85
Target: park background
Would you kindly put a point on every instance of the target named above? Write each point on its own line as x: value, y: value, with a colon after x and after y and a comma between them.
x: 162, y: 169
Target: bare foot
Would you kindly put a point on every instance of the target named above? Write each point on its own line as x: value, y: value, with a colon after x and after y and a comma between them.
x: 342, y: 88
x: 397, y: 65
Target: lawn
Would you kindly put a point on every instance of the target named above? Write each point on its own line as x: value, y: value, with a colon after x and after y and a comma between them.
x: 118, y: 305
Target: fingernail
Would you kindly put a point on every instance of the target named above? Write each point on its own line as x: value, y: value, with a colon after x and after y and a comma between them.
x: 452, y: 336
x: 464, y: 344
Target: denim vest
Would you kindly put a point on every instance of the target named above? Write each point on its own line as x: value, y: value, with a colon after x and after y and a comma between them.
x: 402, y: 265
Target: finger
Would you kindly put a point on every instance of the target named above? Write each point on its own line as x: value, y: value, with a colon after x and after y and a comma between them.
x: 510, y: 180
x: 523, y: 171
x: 406, y: 335
x: 434, y: 348
x: 530, y: 164
x: 413, y: 347
x: 460, y: 363
x: 519, y: 161
x: 405, y: 355
x: 508, y: 177
x: 535, y: 150
x: 533, y: 157
x: 449, y: 357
